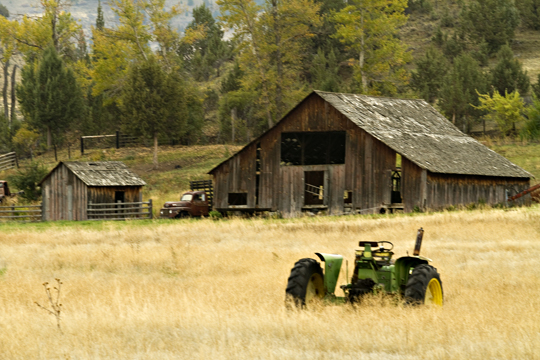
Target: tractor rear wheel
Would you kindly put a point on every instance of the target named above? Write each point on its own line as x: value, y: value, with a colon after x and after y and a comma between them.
x: 424, y: 286
x: 306, y: 283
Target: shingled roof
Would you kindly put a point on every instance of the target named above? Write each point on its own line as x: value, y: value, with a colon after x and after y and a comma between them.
x: 417, y: 131
x: 102, y: 173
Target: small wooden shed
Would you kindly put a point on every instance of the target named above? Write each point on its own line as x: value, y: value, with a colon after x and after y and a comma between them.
x: 71, y: 186
x: 349, y: 153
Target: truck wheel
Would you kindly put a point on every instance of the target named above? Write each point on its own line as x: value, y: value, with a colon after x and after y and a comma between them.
x: 182, y: 215
x: 305, y: 284
x: 424, y: 286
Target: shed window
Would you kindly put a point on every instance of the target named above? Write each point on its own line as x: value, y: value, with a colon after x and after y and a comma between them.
x: 237, y: 198
x: 313, y: 148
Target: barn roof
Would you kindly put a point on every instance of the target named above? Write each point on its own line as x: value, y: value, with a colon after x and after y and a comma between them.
x: 102, y: 173
x: 418, y: 132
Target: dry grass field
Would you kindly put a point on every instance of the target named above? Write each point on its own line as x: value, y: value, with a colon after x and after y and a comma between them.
x: 203, y: 289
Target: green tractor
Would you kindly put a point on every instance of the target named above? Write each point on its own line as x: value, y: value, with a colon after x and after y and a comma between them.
x: 411, y: 277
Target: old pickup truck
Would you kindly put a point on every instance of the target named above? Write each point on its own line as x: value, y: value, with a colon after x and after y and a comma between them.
x: 192, y: 203
x: 197, y: 202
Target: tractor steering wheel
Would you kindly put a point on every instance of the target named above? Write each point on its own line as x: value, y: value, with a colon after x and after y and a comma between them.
x: 383, y: 247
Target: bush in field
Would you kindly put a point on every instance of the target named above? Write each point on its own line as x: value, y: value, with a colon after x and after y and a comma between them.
x: 531, y: 129
x: 27, y: 180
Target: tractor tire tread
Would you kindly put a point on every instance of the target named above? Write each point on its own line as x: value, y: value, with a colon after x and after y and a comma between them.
x: 415, y: 289
x: 299, y: 277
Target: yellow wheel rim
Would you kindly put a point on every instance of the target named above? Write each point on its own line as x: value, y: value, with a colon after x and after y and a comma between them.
x: 315, y: 288
x: 434, y: 293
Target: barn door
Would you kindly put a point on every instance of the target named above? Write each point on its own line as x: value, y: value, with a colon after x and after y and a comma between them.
x: 314, y: 188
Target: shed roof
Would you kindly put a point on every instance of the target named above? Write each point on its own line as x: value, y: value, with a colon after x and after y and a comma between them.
x: 102, y: 173
x: 418, y: 132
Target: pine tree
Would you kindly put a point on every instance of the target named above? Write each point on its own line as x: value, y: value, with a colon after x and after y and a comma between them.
x: 325, y: 72
x: 492, y: 21
x: 100, y: 20
x: 50, y: 98
x: 529, y: 11
x: 428, y: 78
x: 369, y: 28
x: 508, y: 75
x: 153, y: 103
x: 459, y: 91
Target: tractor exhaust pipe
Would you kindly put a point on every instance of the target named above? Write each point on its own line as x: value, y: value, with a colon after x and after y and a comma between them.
x: 418, y: 245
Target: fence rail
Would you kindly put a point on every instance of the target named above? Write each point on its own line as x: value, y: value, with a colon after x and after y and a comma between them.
x: 120, y: 211
x: 21, y: 213
x: 8, y: 161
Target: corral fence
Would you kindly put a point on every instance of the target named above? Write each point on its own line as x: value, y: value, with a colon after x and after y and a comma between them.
x: 117, y: 141
x: 8, y: 161
x: 120, y: 211
x: 21, y: 213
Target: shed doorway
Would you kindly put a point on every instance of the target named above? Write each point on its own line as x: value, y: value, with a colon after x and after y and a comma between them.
x: 313, y: 188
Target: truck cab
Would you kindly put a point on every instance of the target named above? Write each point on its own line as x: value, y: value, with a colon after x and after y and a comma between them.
x: 191, y: 203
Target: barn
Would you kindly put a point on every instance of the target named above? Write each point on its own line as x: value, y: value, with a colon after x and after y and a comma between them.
x: 71, y: 186
x: 349, y: 153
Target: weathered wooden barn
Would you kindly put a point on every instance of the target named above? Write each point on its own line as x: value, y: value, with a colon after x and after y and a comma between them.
x: 353, y: 153
x: 71, y: 186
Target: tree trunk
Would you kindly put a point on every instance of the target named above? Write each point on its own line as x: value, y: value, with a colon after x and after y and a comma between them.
x: 484, y: 125
x: 13, y: 95
x: 155, y: 151
x: 55, y: 154
x: 362, y: 55
x: 233, y: 121
x: 5, y: 90
x: 49, y: 139
x: 262, y: 73
x: 279, y: 62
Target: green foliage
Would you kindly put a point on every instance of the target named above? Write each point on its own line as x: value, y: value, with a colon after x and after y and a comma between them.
x: 153, y: 102
x: 100, y: 21
x: 325, y: 72
x: 505, y: 110
x: 529, y: 11
x: 428, y: 78
x: 446, y: 19
x: 421, y: 6
x: 27, y: 179
x: 50, y: 97
x: 26, y: 141
x: 207, y: 53
x: 531, y: 128
x: 4, y: 11
x: 536, y: 87
x: 508, y: 75
x: 458, y: 94
x: 370, y: 29
x: 492, y: 21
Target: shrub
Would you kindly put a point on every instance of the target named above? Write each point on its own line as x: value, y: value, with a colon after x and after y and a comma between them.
x: 27, y: 180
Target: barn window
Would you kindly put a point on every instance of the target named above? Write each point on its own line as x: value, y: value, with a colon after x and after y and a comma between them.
x: 237, y: 198
x: 313, y: 148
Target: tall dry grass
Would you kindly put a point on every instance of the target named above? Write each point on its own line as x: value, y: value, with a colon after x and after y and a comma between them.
x: 215, y: 290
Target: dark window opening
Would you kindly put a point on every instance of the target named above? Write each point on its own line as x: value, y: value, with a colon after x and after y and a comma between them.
x: 119, y: 196
x: 313, y: 148
x: 313, y: 187
x: 237, y: 198
x: 396, y: 187
x: 347, y: 197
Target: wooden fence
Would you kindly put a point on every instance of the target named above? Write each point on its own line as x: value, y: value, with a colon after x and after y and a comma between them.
x: 8, y: 161
x: 21, y: 213
x: 120, y: 211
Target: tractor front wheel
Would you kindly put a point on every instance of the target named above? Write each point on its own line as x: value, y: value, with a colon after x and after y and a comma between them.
x: 424, y: 286
x: 306, y: 283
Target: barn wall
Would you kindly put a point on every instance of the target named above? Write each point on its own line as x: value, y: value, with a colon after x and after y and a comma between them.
x: 444, y: 190
x: 64, y: 196
x: 366, y: 172
x: 105, y: 194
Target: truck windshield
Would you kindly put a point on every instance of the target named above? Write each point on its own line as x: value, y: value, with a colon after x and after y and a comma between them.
x: 186, y: 197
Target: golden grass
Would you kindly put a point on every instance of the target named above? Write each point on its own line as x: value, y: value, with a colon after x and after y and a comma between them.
x: 215, y: 290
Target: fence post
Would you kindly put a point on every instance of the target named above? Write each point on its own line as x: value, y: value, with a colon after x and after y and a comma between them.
x: 118, y: 139
x: 16, y: 161
x: 82, y: 145
x: 151, y: 215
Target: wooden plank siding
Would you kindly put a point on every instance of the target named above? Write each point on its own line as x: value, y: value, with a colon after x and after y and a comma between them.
x: 366, y: 173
